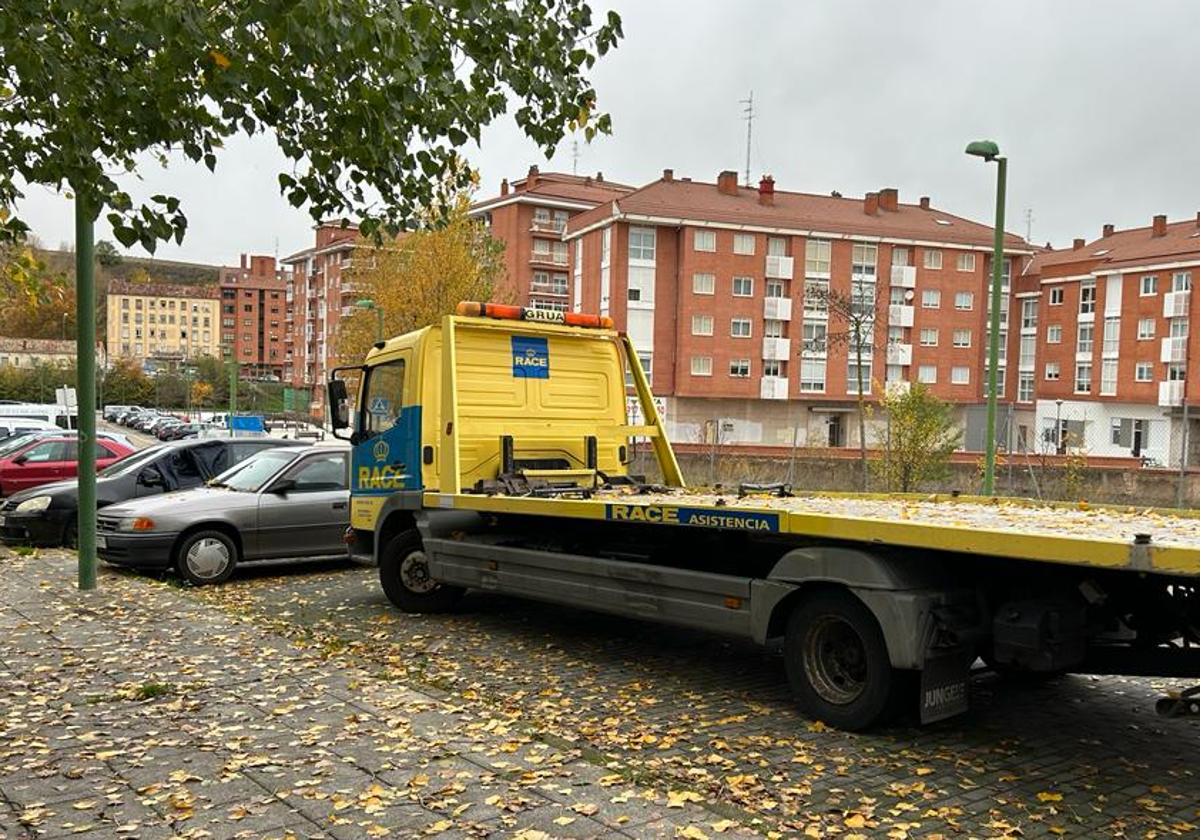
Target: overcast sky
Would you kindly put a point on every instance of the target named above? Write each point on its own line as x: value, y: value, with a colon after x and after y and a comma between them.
x: 1093, y: 102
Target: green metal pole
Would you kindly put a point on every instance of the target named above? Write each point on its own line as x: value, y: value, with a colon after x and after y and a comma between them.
x: 85, y: 349
x: 989, y: 464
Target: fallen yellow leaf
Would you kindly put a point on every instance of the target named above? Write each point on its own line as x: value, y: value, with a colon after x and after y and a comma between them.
x: 855, y: 821
x: 1047, y: 796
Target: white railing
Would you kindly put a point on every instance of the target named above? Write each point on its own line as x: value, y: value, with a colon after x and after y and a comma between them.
x: 904, y: 276
x: 900, y: 315
x: 551, y: 257
x: 777, y: 349
x: 1175, y: 304
x: 899, y: 354
x: 897, y: 387
x: 548, y: 226
x: 780, y: 268
x: 1174, y: 349
x: 777, y: 309
x: 773, y: 388
x: 1170, y: 392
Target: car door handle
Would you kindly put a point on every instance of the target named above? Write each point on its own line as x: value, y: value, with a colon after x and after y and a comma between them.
x: 339, y: 505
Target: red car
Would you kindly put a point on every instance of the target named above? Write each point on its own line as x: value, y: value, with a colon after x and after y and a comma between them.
x: 47, y: 459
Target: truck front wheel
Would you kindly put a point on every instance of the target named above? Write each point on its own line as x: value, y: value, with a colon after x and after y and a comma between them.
x: 837, y: 662
x: 404, y: 575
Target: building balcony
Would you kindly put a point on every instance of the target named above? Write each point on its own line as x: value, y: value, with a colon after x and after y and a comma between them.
x: 1174, y: 349
x: 780, y: 268
x: 550, y: 289
x: 777, y: 349
x: 900, y: 315
x: 1175, y: 304
x: 904, y: 276
x: 777, y: 309
x: 554, y: 227
x: 773, y: 388
x: 897, y: 387
x: 549, y: 258
x: 899, y: 354
x: 1170, y: 393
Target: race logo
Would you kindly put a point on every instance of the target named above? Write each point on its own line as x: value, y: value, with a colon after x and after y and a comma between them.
x: 380, y: 450
x: 530, y: 358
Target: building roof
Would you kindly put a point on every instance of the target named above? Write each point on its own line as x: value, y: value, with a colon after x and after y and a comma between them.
x: 38, y: 346
x: 681, y: 200
x: 584, y: 189
x: 172, y: 290
x: 1123, y: 249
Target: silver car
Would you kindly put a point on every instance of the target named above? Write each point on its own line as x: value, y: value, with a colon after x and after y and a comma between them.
x: 279, y: 503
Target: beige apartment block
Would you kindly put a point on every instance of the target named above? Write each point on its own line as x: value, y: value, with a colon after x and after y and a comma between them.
x: 163, y: 322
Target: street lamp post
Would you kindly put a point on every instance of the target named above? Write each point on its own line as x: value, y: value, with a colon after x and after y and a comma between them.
x: 989, y: 151
x: 367, y: 303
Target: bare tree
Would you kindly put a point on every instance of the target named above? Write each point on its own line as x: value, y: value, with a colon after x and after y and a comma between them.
x: 851, y: 324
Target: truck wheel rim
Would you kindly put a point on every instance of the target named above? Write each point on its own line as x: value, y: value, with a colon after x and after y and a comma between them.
x: 835, y: 661
x: 207, y: 558
x: 414, y: 573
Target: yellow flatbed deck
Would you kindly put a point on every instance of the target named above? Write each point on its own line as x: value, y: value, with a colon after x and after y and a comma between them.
x: 1143, y: 540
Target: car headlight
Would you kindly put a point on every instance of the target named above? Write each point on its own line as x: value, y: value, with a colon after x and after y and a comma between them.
x: 137, y: 523
x: 35, y: 505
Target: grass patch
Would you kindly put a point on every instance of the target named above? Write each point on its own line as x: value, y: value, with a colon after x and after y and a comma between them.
x: 150, y: 690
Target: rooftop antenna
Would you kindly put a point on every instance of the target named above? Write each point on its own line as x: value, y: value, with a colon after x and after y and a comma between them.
x: 748, y: 116
x: 1028, y: 224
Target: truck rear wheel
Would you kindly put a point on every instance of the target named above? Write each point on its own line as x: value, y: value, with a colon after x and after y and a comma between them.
x: 837, y: 662
x: 404, y: 575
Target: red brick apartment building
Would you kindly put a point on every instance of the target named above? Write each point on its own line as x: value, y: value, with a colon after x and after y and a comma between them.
x: 317, y: 299
x: 254, y: 316
x: 1105, y: 343
x: 530, y: 216
x: 721, y: 289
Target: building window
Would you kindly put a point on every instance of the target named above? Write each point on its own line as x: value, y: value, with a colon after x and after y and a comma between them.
x: 1083, y: 378
x: 704, y: 240
x: 1176, y: 372
x: 1108, y: 378
x: 776, y: 246
x: 739, y: 368
x: 776, y: 289
x: 1149, y: 285
x: 852, y: 377
x: 816, y: 259
x: 933, y: 258
x: 931, y: 299
x: 1087, y: 297
x: 701, y: 365
x: 1112, y: 337
x: 814, y: 338
x: 743, y: 286
x: 124, y: 303
x: 929, y: 337
x: 863, y: 261
x: 960, y: 375
x: 1143, y: 372
x: 1029, y: 314
x: 1181, y: 281
x: 704, y: 284
x: 641, y: 243
x: 927, y: 374
x: 772, y: 367
x: 1025, y: 387
x: 1145, y: 329
x: 1085, y: 341
x: 1054, y: 334
x: 1056, y: 296
x: 900, y: 256
x: 812, y: 375
x: 962, y: 338
x: 964, y: 300
x: 702, y: 325
x: 1027, y: 349
x: 1178, y: 328
x: 739, y: 327
x: 966, y: 262
x: 743, y: 243
x: 816, y: 296
x: 1052, y: 371
x: 635, y: 294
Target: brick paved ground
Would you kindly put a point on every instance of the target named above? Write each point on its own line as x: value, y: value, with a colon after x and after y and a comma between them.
x: 581, y: 709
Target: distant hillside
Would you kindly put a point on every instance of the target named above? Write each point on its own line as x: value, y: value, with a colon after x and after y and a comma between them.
x: 124, y: 267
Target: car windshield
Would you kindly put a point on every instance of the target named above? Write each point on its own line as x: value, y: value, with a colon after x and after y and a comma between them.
x: 131, y: 462
x: 250, y: 475
x: 14, y: 443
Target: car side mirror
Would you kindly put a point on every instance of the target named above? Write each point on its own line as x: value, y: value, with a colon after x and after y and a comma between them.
x: 339, y: 405
x: 283, y: 486
x: 20, y: 460
x: 150, y: 477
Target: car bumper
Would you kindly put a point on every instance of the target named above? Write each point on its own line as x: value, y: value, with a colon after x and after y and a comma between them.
x: 39, y: 529
x: 145, y: 551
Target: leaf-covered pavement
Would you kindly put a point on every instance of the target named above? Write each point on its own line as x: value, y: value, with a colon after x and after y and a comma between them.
x: 299, y: 693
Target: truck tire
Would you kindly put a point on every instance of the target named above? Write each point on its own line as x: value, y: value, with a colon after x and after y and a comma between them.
x: 837, y: 662
x: 404, y: 575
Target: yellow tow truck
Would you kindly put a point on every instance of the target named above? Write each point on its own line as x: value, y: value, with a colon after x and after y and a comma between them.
x: 492, y: 451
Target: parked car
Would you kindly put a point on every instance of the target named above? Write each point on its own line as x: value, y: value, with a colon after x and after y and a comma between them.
x: 158, y: 429
x: 45, y: 516
x: 281, y: 503
x: 51, y: 458
x: 112, y: 412
x: 10, y: 426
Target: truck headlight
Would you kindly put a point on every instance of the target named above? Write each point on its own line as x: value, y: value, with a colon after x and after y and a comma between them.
x: 35, y: 505
x: 137, y: 523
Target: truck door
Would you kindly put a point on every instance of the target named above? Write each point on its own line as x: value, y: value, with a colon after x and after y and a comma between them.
x: 387, y: 449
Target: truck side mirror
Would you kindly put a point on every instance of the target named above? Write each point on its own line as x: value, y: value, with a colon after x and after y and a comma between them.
x: 339, y: 408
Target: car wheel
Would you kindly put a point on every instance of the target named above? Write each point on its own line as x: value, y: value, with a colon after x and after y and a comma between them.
x: 837, y: 662
x: 206, y: 557
x: 404, y: 575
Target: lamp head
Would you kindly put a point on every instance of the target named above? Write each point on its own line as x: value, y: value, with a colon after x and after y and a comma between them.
x: 985, y: 149
x: 365, y: 303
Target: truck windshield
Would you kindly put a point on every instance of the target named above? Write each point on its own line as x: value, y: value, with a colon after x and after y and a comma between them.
x: 254, y: 472
x: 382, y: 397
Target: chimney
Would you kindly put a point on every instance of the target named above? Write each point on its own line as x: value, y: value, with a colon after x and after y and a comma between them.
x: 1160, y: 225
x: 600, y: 177
x: 243, y: 261
x: 532, y: 178
x: 668, y: 175
x: 871, y: 204
x: 889, y: 199
x: 504, y: 187
x: 1198, y: 219
x: 924, y: 202
x: 1079, y: 243
x: 766, y: 190
x: 1108, y: 231
x: 727, y: 183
